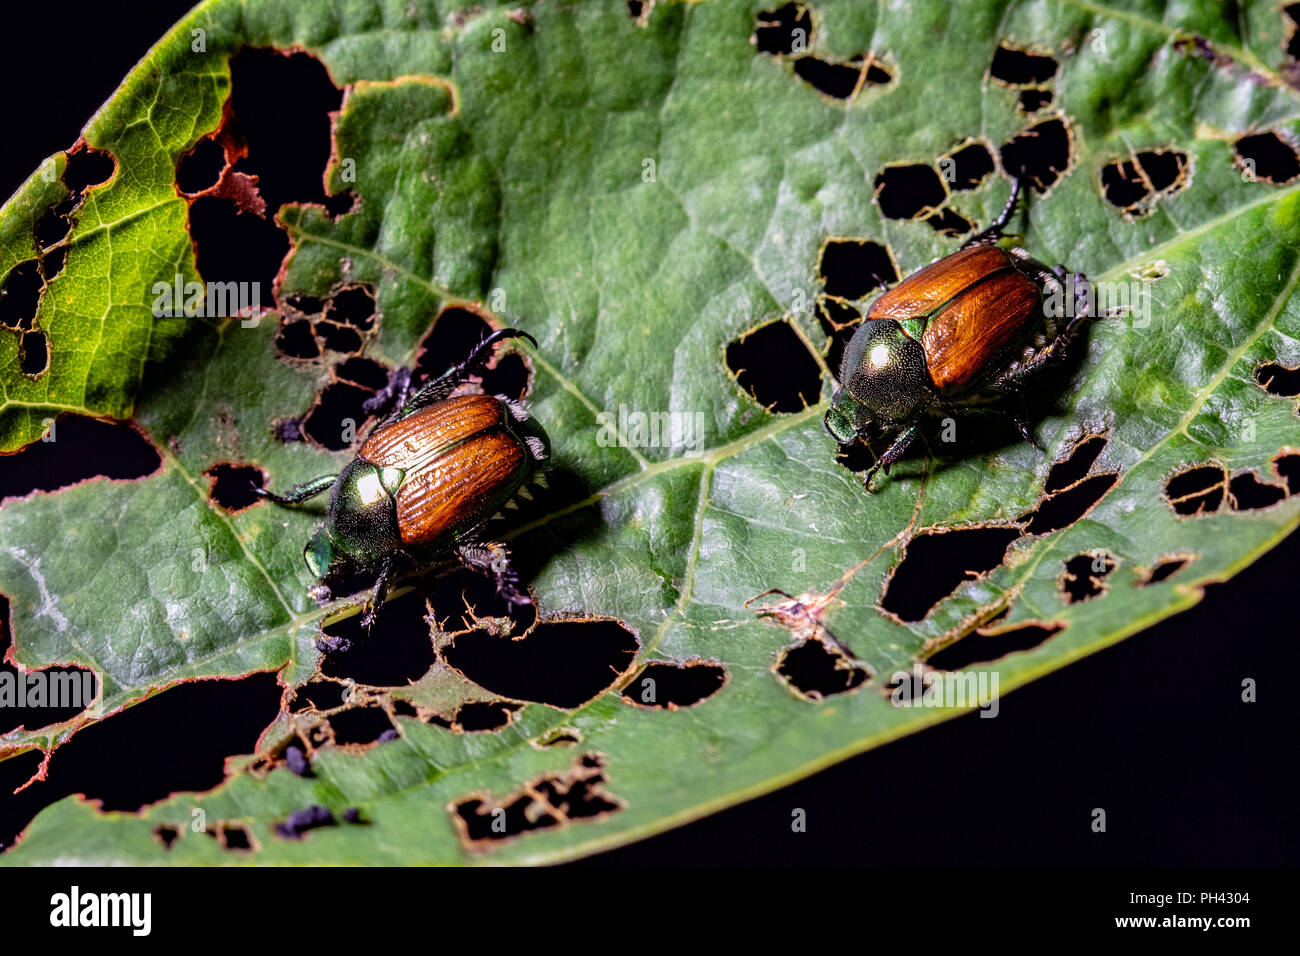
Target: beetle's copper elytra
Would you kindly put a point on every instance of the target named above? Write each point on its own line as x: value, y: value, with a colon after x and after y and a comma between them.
x: 425, y: 481
x: 966, y: 330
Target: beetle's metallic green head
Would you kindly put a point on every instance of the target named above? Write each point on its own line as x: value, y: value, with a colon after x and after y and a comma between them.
x: 847, y: 417
x: 319, y: 553
x: 885, y: 381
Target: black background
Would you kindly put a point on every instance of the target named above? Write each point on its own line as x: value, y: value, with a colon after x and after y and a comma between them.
x: 1153, y: 730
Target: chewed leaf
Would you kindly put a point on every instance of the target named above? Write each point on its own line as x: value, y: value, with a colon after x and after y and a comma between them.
x: 690, y: 207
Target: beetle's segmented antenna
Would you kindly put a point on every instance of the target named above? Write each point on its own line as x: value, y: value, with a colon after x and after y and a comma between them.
x: 540, y: 479
x: 524, y: 493
x: 538, y: 448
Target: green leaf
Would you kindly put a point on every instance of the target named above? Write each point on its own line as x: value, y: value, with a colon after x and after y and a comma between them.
x: 501, y: 158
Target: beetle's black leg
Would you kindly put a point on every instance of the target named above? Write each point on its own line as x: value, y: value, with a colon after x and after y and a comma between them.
x: 994, y: 232
x: 379, y: 594
x: 298, y: 493
x: 446, y: 383
x: 493, y: 559
x: 892, y: 453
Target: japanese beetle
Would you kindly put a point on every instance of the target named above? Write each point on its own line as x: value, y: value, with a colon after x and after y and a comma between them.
x: 425, y: 481
x: 965, y: 331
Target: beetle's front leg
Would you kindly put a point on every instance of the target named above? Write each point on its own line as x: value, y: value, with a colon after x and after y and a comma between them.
x: 379, y: 594
x: 298, y: 493
x: 493, y: 559
x: 892, y: 454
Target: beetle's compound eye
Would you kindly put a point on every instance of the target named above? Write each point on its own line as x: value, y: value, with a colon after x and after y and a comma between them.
x: 319, y: 554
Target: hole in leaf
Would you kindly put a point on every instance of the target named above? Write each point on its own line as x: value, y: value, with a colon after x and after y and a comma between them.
x: 234, y: 838
x: 1039, y: 154
x: 851, y: 268
x: 336, y: 419
x: 1198, y: 490
x: 1288, y: 469
x: 231, y: 485
x: 948, y: 223
x: 364, y: 372
x: 967, y: 167
x: 34, y: 353
x: 339, y: 338
x: 20, y: 295
x: 674, y: 686
x: 546, y: 801
x: 1292, y: 42
x: 839, y: 321
x: 87, y: 167
x: 981, y: 648
x: 361, y: 725
x: 281, y: 105
x: 399, y: 650
x: 463, y: 600
x: 561, y: 663
x: 234, y: 246
x: 200, y: 168
x: 117, y: 760
x: 509, y: 377
x: 1278, y: 379
x: 1268, y: 157
x: 454, y: 334
x: 354, y: 306
x: 318, y: 695
x: 937, y: 563
x: 1084, y: 576
x: 296, y: 340
x: 78, y: 449
x: 785, y: 30
x: 53, y: 226
x: 856, y: 457
x: 1247, y: 493
x: 1066, y: 507
x: 839, y: 80
x: 1031, y: 101
x: 909, y: 191
x: 1075, y: 465
x: 772, y: 364
x: 1134, y: 185
x: 39, y: 698
x: 1016, y: 67
x: 306, y: 304
x: 815, y: 670
x: 166, y: 835
x: 1165, y: 568
x: 480, y: 716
